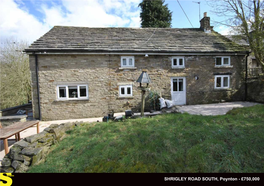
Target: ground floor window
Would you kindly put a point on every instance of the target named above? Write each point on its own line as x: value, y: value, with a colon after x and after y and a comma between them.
x: 125, y: 90
x: 72, y: 92
x: 222, y: 81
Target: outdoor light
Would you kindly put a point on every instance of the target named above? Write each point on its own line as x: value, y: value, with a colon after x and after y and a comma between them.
x: 196, y: 77
x: 143, y: 78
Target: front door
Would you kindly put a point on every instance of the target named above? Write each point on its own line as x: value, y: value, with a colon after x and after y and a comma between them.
x: 178, y: 90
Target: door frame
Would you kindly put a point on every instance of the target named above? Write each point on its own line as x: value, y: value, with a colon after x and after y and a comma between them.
x: 184, y: 87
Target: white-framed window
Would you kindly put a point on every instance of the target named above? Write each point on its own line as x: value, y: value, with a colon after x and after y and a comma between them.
x: 222, y: 81
x: 127, y: 61
x: 177, y: 62
x: 125, y: 90
x: 222, y: 61
x: 72, y: 92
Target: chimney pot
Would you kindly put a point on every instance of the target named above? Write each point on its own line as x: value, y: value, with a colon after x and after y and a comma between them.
x: 205, y: 14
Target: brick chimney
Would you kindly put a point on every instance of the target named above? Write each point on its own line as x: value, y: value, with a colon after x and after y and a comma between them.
x: 205, y: 24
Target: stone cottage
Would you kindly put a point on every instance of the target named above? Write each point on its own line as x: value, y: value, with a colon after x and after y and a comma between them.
x: 80, y: 72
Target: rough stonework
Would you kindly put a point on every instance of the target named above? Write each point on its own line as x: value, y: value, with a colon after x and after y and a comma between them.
x: 255, y: 90
x: 104, y: 75
x: 33, y: 149
x: 10, y: 120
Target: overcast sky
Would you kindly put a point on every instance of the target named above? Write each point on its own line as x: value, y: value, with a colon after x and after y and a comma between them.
x: 29, y: 19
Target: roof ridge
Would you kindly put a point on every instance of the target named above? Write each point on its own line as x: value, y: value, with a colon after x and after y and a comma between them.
x: 123, y: 27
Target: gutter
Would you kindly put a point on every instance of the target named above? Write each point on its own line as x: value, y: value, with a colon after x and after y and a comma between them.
x: 137, y: 53
x: 246, y: 76
x: 37, y: 79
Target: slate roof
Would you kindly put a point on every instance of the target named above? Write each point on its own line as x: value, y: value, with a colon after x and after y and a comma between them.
x: 237, y: 39
x: 85, y: 39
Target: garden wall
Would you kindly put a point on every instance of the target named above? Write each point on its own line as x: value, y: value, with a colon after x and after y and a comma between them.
x: 10, y: 120
x: 255, y: 90
x: 34, y: 149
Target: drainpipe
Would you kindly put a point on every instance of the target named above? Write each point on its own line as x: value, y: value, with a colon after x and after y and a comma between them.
x: 246, y: 77
x: 37, y: 79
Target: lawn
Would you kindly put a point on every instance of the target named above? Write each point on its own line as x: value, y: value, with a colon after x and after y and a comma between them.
x: 166, y: 143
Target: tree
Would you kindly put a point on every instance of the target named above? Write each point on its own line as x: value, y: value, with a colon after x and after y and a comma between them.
x: 155, y: 14
x: 15, y: 82
x: 247, y: 19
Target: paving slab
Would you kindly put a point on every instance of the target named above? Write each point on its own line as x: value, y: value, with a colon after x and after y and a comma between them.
x: 214, y: 109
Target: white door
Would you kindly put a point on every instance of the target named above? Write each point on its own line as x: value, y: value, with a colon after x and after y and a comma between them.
x: 178, y: 90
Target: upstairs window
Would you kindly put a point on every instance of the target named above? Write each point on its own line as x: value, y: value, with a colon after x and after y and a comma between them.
x: 222, y: 61
x: 65, y: 92
x: 127, y: 61
x: 125, y: 90
x: 222, y: 81
x: 177, y: 62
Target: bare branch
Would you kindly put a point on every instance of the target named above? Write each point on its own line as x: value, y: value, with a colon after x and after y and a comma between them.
x: 246, y: 18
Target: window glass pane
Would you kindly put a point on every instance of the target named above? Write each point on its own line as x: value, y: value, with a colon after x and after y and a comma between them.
x: 175, y: 85
x: 128, y: 90
x: 226, y: 61
x: 218, y: 61
x: 62, y: 92
x: 73, y: 92
x: 174, y: 62
x: 83, y: 91
x: 180, y: 62
x: 130, y: 61
x: 122, y: 91
x: 218, y: 82
x: 180, y: 84
x: 124, y: 61
x: 225, y: 81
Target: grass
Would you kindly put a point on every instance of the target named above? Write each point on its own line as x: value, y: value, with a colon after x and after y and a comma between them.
x: 166, y: 143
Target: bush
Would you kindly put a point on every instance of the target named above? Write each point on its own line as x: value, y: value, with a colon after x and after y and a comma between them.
x: 153, y: 100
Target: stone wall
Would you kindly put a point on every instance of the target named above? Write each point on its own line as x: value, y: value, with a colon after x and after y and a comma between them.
x: 33, y: 149
x: 255, y: 90
x: 103, y: 75
x: 10, y: 120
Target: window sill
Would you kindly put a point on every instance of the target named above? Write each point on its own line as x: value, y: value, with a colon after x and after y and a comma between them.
x: 228, y: 66
x: 127, y: 68
x: 125, y: 97
x: 177, y: 67
x: 222, y: 89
